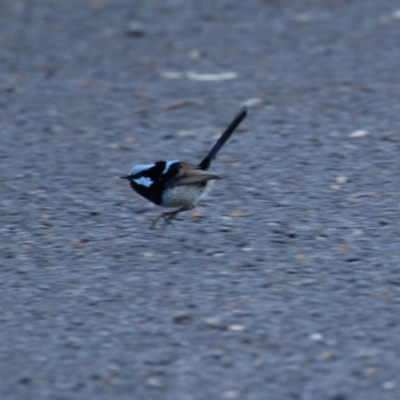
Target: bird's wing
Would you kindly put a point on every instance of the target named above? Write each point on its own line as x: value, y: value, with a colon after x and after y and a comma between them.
x: 189, y: 174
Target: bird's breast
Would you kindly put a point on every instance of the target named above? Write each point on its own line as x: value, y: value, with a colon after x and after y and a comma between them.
x: 185, y: 195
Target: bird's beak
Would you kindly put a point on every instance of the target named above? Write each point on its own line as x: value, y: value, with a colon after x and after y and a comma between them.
x: 125, y: 177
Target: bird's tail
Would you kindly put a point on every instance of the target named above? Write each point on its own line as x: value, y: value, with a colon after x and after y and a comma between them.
x: 205, y: 164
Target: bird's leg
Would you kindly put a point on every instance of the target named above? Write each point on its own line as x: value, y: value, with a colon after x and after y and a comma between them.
x: 169, y: 216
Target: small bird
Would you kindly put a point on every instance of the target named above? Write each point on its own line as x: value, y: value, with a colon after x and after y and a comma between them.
x: 178, y: 184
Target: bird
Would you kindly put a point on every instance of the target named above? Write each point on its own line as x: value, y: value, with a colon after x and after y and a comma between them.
x: 176, y: 184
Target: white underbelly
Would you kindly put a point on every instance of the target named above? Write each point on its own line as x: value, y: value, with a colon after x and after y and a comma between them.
x: 185, y: 195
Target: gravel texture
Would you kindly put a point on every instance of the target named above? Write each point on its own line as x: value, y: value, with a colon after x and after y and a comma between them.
x: 284, y: 284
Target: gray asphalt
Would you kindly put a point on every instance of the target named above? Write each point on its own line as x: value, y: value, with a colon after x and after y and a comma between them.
x: 284, y: 284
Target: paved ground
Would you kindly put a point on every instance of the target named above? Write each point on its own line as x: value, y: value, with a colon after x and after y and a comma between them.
x: 284, y: 285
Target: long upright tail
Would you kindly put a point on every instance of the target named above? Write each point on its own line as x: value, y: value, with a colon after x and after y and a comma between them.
x: 205, y: 164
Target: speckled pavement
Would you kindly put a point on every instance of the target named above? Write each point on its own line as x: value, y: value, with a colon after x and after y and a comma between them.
x: 284, y: 283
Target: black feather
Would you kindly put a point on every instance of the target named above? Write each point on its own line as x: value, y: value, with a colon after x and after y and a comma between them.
x: 205, y: 164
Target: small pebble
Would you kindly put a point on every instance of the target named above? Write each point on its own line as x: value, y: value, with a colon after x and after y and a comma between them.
x: 135, y: 28
x: 182, y: 318
x: 194, y: 76
x: 327, y: 355
x: 246, y: 249
x: 230, y: 394
x: 343, y: 248
x: 317, y: 337
x: 342, y: 179
x: 369, y: 371
x: 256, y: 101
x: 303, y: 18
x: 195, y: 55
x: 334, y: 187
x: 396, y: 14
x: 388, y: 385
x: 236, y: 328
x: 213, y: 322
x: 154, y: 382
x: 25, y: 380
x: 358, y: 133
